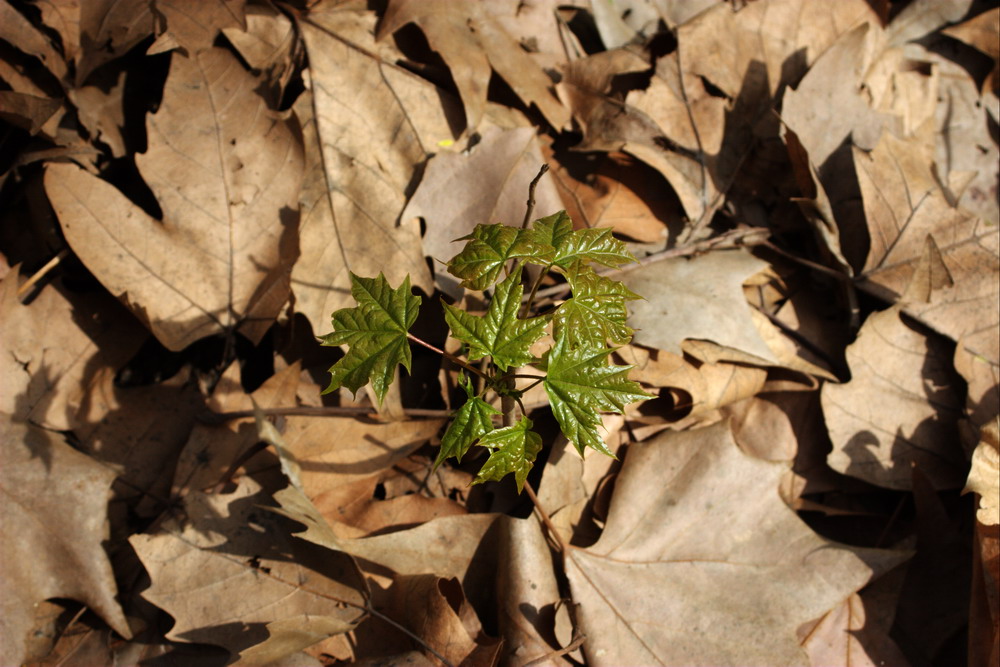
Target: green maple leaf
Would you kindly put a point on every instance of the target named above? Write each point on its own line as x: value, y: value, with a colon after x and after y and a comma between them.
x: 376, y: 331
x: 498, y: 334
x: 597, y: 312
x: 596, y: 245
x: 581, y: 384
x: 514, y: 449
x: 471, y: 422
x: 489, y: 248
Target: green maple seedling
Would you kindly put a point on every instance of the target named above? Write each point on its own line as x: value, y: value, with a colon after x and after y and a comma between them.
x: 579, y: 379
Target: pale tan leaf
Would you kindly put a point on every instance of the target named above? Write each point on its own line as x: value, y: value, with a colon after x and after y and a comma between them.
x: 854, y: 633
x: 108, y: 29
x: 698, y: 298
x: 904, y: 206
x: 370, y: 126
x: 28, y: 112
x: 193, y: 24
x: 485, y: 186
x: 52, y: 351
x: 471, y: 42
x: 727, y: 572
x: 268, y: 44
x: 900, y: 408
x: 54, y: 522
x: 226, y: 174
x: 63, y: 16
x: 984, y: 477
x: 102, y: 112
x: 227, y: 540
x: 16, y: 30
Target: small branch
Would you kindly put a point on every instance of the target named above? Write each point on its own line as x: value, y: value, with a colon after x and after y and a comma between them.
x: 534, y: 290
x: 209, y: 417
x: 531, y: 195
x: 449, y: 356
x: 544, y: 518
x: 42, y: 272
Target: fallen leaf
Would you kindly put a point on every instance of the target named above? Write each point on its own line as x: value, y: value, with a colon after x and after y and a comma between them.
x: 108, y: 29
x: 984, y: 476
x: 904, y: 207
x: 699, y: 298
x: 853, y: 633
x: 370, y: 125
x: 193, y: 24
x: 29, y: 112
x: 278, y: 594
x: 216, y: 262
x: 733, y: 594
x: 55, y: 522
x: 63, y: 16
x: 900, y: 408
x: 268, y: 44
x: 486, y: 186
x: 102, y: 112
x: 54, y: 349
x: 16, y: 30
x: 471, y: 42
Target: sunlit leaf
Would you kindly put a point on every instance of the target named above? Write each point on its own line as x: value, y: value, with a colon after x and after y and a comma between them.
x: 471, y: 422
x: 489, y: 247
x: 596, y: 313
x: 580, y: 385
x: 376, y: 331
x: 514, y: 449
x: 498, y: 334
x: 596, y: 245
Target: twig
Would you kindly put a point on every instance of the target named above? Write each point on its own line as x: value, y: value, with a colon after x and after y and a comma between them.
x: 210, y: 417
x: 572, y: 646
x: 42, y: 272
x: 449, y: 356
x: 531, y: 195
x: 544, y: 517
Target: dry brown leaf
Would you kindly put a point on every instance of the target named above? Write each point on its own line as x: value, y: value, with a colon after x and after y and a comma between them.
x: 922, y: 17
x: 28, y: 112
x: 102, y: 113
x: 108, y: 29
x: 540, y: 28
x: 279, y: 598
x: 370, y: 126
x: 226, y: 174
x: 909, y: 218
x: 854, y: 633
x: 193, y: 25
x: 54, y: 522
x: 268, y: 44
x: 984, y: 475
x: 900, y: 408
x: 16, y: 30
x: 52, y: 351
x: 63, y: 16
x: 528, y: 593
x: 699, y: 298
x: 616, y: 192
x: 487, y: 185
x: 727, y: 572
x: 472, y: 42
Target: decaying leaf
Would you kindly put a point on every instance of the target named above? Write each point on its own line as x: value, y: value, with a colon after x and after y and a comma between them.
x: 226, y: 174
x: 229, y: 541
x: 733, y: 594
x: 984, y: 475
x: 54, y: 522
x: 900, y: 408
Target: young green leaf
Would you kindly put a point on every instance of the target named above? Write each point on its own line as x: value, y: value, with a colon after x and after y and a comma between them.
x: 581, y: 384
x: 376, y: 331
x: 499, y: 333
x: 514, y: 449
x: 471, y: 422
x: 596, y: 245
x: 596, y: 313
x: 489, y: 247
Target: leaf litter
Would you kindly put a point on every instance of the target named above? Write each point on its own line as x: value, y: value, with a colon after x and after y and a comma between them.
x: 192, y: 190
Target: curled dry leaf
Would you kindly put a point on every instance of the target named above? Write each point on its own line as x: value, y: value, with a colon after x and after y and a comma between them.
x: 984, y: 477
x: 54, y: 522
x: 726, y: 572
x: 226, y: 173
x: 193, y: 25
x: 900, y: 408
x: 300, y: 595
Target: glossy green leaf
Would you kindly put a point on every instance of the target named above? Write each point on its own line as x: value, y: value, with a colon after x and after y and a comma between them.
x: 596, y: 314
x: 513, y: 450
x: 489, y: 247
x: 581, y: 384
x: 376, y: 331
x: 596, y: 245
x: 472, y: 421
x: 499, y: 333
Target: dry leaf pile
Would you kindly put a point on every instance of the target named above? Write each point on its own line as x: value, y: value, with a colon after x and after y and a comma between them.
x: 812, y: 191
